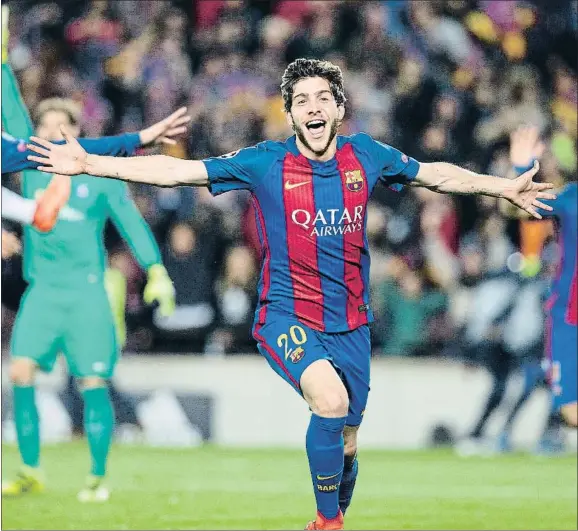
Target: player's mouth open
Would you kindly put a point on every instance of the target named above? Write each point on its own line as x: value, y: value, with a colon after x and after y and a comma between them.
x: 316, y: 127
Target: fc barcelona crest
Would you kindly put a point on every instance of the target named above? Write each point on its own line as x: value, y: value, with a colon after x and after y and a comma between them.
x: 354, y: 180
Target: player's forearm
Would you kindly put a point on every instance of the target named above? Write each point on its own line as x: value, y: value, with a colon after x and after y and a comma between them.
x: 17, y: 208
x: 158, y: 170
x: 450, y: 179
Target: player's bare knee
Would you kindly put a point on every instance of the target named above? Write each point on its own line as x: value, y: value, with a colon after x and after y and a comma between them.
x: 570, y: 414
x: 92, y: 382
x: 324, y: 391
x: 350, y: 440
x: 334, y: 403
x: 22, y: 371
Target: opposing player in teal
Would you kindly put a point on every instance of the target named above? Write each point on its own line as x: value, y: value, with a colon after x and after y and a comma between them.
x: 65, y: 308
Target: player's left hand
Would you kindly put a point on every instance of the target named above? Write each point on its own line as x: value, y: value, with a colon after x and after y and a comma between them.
x: 526, y: 194
x: 525, y: 146
x: 163, y: 132
x: 159, y: 288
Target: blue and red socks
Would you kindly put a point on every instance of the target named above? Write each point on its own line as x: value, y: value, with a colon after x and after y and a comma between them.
x: 350, y: 469
x: 324, y: 443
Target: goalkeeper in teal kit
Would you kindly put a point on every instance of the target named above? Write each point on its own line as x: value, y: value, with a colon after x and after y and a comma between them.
x: 66, y: 309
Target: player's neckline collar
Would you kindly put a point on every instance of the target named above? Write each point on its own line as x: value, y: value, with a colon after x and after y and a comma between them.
x: 293, y: 149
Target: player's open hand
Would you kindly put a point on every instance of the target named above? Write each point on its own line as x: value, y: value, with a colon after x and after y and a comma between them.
x: 163, y: 132
x: 526, y: 194
x: 525, y: 146
x: 66, y: 159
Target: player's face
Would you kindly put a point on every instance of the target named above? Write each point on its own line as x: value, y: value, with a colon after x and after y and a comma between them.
x: 49, y: 126
x: 315, y: 117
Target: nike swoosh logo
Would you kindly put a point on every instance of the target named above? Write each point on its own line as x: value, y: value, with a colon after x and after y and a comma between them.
x: 323, y: 478
x: 290, y: 186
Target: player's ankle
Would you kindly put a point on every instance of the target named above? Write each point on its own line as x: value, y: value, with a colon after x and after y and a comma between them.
x: 31, y: 470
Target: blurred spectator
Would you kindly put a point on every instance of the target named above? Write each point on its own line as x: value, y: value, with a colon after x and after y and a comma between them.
x: 408, y: 307
x: 443, y: 81
x: 236, y: 300
x: 93, y: 37
x: 188, y: 262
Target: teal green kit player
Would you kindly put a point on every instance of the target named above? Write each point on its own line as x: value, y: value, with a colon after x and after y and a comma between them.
x: 65, y: 308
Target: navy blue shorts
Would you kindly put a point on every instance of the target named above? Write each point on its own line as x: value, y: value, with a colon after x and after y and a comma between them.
x: 561, y: 350
x: 290, y: 347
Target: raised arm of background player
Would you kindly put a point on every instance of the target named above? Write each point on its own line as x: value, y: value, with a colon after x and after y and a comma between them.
x: 16, y: 121
x: 161, y: 170
x: 137, y: 234
x: 525, y: 148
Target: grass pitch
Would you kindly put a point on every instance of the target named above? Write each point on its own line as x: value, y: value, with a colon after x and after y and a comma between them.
x: 217, y: 488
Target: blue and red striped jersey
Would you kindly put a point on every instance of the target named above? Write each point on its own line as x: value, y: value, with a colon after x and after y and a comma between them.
x: 564, y: 291
x: 311, y: 219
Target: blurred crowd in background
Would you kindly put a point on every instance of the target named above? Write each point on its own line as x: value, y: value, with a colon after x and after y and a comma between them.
x: 441, y: 81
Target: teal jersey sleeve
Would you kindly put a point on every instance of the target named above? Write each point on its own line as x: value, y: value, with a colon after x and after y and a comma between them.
x: 15, y: 117
x: 242, y: 169
x: 131, y: 225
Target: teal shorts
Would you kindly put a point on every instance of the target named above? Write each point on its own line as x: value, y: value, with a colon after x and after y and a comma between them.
x: 75, y: 322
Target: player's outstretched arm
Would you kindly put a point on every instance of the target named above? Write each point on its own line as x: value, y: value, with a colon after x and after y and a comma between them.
x: 160, y: 170
x: 522, y: 191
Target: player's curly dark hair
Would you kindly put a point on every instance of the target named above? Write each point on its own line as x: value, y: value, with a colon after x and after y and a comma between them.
x: 302, y: 68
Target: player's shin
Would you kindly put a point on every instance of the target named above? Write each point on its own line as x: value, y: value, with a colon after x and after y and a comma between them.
x: 350, y: 470
x: 325, y: 453
x: 98, y: 426
x: 27, y: 424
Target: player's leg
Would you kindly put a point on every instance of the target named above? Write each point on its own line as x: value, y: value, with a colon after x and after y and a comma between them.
x: 90, y: 348
x: 499, y: 368
x: 99, y: 429
x: 34, y: 344
x: 563, y: 338
x: 329, y: 403
x: 350, y: 467
x: 352, y: 356
x: 297, y: 354
x: 532, y: 373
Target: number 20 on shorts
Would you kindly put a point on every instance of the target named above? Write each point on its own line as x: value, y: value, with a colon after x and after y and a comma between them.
x: 298, y: 337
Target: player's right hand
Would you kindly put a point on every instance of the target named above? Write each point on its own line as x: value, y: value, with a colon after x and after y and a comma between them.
x: 160, y: 289
x: 525, y: 146
x: 65, y: 159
